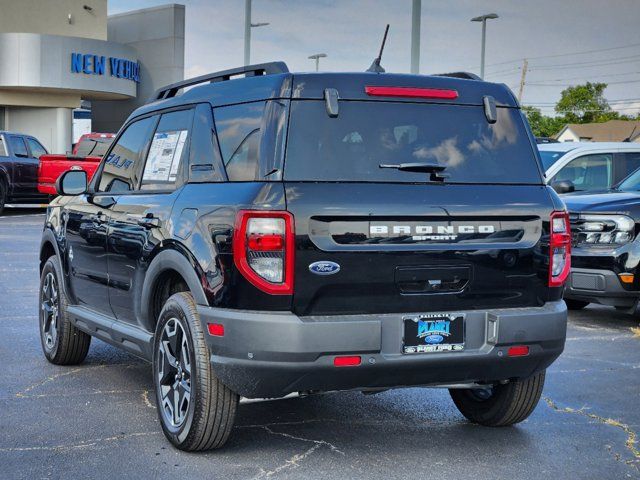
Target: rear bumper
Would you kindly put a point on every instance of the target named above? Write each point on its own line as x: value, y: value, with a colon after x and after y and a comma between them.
x: 599, y: 286
x: 270, y: 354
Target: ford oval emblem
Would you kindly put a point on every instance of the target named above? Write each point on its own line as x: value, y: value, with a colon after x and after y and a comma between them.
x: 324, y: 268
x: 434, y: 339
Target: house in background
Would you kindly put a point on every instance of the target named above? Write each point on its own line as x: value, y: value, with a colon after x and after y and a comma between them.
x: 611, y: 131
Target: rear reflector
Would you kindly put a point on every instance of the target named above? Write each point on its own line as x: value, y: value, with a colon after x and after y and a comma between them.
x: 410, y: 92
x: 216, y: 329
x: 352, y: 361
x: 518, y: 351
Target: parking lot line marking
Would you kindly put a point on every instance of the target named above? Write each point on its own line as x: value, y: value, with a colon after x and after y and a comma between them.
x: 23, y: 393
x: 631, y: 434
x: 84, y: 444
x: 145, y: 399
x: 79, y: 394
x: 295, y: 460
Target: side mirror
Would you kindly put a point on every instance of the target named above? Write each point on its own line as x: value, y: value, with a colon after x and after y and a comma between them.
x: 72, y: 182
x: 563, y: 186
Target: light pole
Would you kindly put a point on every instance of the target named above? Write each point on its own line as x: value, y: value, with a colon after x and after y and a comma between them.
x: 317, y: 57
x: 247, y: 30
x: 483, y: 19
x: 416, y: 9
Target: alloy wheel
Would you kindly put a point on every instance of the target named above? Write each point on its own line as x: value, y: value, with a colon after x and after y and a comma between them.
x: 174, y: 373
x: 49, y: 305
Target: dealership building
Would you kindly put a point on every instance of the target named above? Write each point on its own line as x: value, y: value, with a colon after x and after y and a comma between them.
x: 57, y: 56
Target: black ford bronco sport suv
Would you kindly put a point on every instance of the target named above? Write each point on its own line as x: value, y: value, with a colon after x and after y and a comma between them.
x: 263, y: 233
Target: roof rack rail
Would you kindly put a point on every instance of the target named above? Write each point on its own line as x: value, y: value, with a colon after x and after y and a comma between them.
x: 465, y: 75
x: 270, y: 68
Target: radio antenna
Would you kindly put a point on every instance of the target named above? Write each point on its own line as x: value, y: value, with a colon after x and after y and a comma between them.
x: 375, y: 66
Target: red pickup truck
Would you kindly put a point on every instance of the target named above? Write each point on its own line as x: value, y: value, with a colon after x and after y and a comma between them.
x: 86, y: 155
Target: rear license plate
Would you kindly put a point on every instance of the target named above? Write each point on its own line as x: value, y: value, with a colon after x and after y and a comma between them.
x: 433, y: 333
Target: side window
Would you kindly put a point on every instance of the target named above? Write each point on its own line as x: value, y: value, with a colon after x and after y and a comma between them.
x: 3, y: 149
x: 589, y: 172
x: 238, y: 129
x: 205, y: 163
x: 36, y: 149
x: 18, y: 146
x: 243, y: 164
x: 626, y: 164
x: 169, y: 147
x: 122, y: 167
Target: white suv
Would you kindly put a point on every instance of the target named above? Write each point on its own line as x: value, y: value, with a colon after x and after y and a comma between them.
x: 588, y: 166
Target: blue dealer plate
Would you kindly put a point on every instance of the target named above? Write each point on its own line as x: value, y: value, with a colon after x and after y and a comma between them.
x: 433, y: 333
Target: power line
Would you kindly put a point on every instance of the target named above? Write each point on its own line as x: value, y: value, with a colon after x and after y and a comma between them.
x: 584, y: 78
x: 511, y: 71
x: 583, y: 52
x: 594, y: 63
x: 542, y: 84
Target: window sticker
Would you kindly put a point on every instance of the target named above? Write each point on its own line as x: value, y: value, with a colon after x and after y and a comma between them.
x: 164, y: 156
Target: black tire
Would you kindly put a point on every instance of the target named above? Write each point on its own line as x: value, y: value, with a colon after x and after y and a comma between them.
x: 575, y: 304
x: 4, y: 191
x: 62, y: 343
x: 205, y: 422
x: 504, y: 405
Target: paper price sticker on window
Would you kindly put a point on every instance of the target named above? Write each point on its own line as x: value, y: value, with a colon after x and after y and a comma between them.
x: 164, y: 156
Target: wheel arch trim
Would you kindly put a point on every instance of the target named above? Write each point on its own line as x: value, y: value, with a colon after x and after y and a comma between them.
x: 165, y: 260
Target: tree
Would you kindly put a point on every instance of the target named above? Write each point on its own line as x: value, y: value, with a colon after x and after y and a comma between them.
x: 542, y: 125
x: 585, y: 104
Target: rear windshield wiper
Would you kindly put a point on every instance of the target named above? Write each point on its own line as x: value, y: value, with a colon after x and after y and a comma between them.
x: 433, y: 168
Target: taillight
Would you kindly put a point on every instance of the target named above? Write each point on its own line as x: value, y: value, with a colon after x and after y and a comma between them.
x: 263, y: 249
x: 559, y: 249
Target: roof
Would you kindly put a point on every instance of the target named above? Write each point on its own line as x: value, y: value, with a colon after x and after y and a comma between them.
x: 611, y: 131
x: 350, y: 86
x: 586, y: 146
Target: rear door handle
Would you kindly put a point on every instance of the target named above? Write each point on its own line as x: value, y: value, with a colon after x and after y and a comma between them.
x: 149, y: 221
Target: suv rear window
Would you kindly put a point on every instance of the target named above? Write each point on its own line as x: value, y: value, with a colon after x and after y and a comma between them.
x: 351, y: 146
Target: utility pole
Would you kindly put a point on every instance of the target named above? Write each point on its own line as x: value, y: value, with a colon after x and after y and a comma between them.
x: 247, y: 31
x: 525, y: 65
x: 416, y: 11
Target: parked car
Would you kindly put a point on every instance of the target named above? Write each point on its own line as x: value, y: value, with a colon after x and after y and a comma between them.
x: 266, y: 233
x: 588, y: 166
x: 606, y: 254
x: 19, y: 156
x: 86, y: 155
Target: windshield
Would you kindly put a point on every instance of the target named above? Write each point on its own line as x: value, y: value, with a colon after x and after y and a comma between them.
x: 365, y: 135
x: 631, y: 183
x: 95, y: 147
x: 549, y: 158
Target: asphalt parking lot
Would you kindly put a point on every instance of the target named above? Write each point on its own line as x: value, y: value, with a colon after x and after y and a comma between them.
x: 98, y: 420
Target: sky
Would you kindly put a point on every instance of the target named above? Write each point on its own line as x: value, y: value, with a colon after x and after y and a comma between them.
x: 566, y: 42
